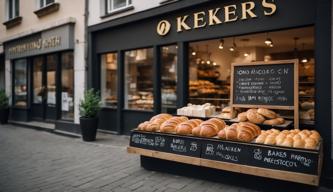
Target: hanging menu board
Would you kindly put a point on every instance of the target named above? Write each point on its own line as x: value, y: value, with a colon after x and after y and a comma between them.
x: 266, y: 83
x: 272, y: 85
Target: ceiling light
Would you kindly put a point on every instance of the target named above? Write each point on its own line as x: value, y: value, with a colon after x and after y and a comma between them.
x: 194, y: 53
x: 233, y: 47
x: 208, y: 62
x: 246, y: 54
x: 271, y: 45
x: 214, y: 63
x: 304, y: 60
x: 221, y: 45
x: 268, y: 41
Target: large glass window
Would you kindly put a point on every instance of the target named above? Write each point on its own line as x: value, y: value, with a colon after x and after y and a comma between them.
x: 20, y: 83
x: 13, y: 9
x: 67, y: 86
x: 210, y: 65
x: 114, y: 5
x: 169, y: 79
x: 139, y: 79
x: 109, y: 89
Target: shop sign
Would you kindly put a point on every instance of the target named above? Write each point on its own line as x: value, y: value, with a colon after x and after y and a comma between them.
x: 53, y: 40
x: 217, y: 16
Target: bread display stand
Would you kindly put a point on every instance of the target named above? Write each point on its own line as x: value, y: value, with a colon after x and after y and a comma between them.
x: 289, y: 164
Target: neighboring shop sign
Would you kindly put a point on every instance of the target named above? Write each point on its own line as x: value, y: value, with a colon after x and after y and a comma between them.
x: 217, y: 16
x: 60, y: 38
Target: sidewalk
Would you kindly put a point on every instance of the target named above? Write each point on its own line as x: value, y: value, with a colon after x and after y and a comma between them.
x: 32, y: 160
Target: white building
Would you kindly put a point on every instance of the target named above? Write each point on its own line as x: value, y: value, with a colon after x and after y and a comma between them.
x: 42, y: 47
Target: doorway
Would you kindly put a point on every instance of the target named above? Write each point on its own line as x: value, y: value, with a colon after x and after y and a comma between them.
x: 44, y: 89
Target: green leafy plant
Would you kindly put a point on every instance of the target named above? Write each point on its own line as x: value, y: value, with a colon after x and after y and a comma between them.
x: 4, y: 100
x: 90, y: 104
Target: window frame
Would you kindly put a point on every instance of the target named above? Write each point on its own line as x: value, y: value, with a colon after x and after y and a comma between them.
x: 110, y: 4
x: 43, y: 3
x: 12, y: 9
x: 27, y: 99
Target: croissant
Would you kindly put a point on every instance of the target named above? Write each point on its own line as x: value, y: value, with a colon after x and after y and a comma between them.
x: 211, y: 127
x: 185, y: 128
x: 169, y: 126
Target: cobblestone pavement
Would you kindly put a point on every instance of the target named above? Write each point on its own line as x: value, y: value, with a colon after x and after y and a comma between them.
x: 32, y: 160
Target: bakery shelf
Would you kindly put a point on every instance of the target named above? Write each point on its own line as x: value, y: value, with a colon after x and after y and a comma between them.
x: 304, y: 166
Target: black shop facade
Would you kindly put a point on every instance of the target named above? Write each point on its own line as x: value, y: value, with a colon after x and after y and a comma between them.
x: 159, y: 60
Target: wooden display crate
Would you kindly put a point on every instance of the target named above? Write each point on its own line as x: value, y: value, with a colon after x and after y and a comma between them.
x: 289, y: 164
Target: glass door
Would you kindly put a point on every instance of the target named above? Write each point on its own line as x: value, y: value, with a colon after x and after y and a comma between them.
x: 38, y: 88
x: 44, y: 102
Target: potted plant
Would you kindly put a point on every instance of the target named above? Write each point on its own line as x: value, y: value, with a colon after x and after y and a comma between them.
x: 89, y: 107
x: 4, y: 107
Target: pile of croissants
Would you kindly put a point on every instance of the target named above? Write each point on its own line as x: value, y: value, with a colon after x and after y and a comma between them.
x: 295, y: 138
x: 181, y: 125
x: 261, y: 116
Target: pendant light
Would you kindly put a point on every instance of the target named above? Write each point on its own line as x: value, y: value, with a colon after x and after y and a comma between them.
x: 268, y: 41
x: 233, y: 47
x: 221, y: 45
x: 304, y: 59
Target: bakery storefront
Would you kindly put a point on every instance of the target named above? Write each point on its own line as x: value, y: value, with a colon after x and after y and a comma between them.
x: 224, y: 64
x: 42, y: 75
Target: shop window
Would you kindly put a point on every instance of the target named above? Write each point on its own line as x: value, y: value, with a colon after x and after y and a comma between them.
x: 13, y: 9
x: 139, y: 79
x: 67, y: 86
x: 169, y: 79
x: 210, y: 65
x: 109, y: 89
x: 44, y: 3
x: 38, y: 89
x: 20, y: 83
x: 51, y: 69
x: 115, y: 5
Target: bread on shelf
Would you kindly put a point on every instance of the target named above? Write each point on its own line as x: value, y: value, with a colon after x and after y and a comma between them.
x: 204, y: 110
x: 169, y: 126
x: 244, y: 131
x: 185, y: 128
x: 209, y: 128
x: 295, y: 138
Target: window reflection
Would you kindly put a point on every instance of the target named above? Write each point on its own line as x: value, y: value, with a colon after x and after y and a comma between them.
x: 20, y: 83
x: 67, y: 82
x: 169, y: 79
x: 139, y: 79
x: 109, y: 80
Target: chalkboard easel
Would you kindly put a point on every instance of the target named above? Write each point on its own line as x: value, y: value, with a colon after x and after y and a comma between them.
x: 271, y: 85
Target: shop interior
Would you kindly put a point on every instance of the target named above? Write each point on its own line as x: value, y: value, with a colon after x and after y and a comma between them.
x: 210, y: 65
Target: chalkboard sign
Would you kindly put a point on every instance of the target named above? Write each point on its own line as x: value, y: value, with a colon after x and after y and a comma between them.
x: 261, y: 156
x: 166, y: 143
x: 264, y: 84
x: 273, y: 85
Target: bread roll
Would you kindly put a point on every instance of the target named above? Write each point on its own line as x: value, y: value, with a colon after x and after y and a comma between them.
x: 152, y: 127
x: 303, y: 135
x: 242, y: 117
x: 267, y: 113
x: 288, y: 142
x: 297, y: 136
x: 245, y: 135
x: 219, y: 122
x: 261, y: 138
x: 142, y: 126
x: 270, y: 139
x: 255, y: 117
x: 227, y: 109
x: 310, y: 143
x: 299, y: 143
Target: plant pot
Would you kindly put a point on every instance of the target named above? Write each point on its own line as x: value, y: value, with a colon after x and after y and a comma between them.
x: 4, y: 114
x: 88, y: 128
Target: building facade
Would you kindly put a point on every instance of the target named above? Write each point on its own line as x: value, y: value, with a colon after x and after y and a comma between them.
x: 160, y: 59
x: 43, y: 59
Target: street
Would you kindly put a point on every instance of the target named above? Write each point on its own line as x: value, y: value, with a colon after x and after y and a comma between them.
x: 32, y: 160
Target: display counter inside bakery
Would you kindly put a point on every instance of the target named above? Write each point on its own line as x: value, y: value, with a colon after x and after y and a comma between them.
x: 284, y: 154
